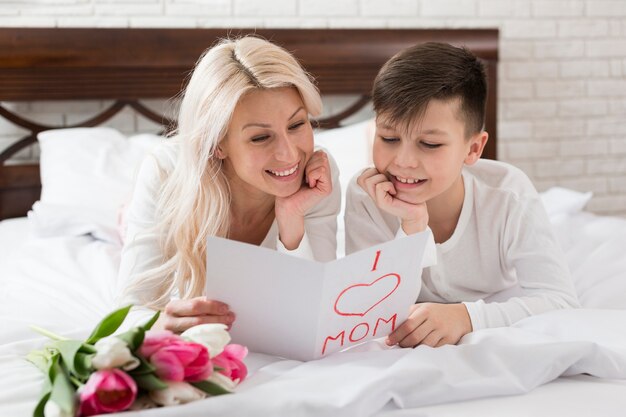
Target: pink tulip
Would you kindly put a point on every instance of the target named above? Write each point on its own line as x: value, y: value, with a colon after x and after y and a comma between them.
x: 231, y: 362
x: 107, y: 391
x: 176, y: 359
x: 155, y: 340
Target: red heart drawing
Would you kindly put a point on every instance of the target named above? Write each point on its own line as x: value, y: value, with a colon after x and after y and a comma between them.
x: 353, y: 295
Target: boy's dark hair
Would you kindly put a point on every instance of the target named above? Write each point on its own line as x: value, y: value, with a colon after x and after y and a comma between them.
x: 410, y: 79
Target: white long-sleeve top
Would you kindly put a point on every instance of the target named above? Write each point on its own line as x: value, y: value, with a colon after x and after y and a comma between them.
x: 142, y: 251
x: 503, y: 260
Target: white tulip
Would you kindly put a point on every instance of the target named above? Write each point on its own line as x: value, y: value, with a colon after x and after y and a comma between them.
x: 112, y: 352
x: 143, y: 402
x: 52, y: 409
x: 177, y: 393
x: 223, y: 381
x: 212, y: 335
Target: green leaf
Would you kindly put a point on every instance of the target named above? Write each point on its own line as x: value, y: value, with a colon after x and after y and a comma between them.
x: 39, y: 359
x: 85, y: 348
x: 82, y: 364
x: 144, y: 367
x: 108, y: 325
x: 68, y: 350
x: 54, y: 367
x: 133, y: 338
x: 210, y: 388
x: 38, y: 412
x: 149, y: 382
x: 151, y: 322
x: 63, y: 393
x: 47, y: 386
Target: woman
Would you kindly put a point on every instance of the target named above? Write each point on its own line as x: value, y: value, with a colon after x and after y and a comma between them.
x: 241, y: 166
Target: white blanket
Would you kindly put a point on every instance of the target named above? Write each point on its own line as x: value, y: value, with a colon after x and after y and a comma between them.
x: 488, y: 363
x: 66, y: 284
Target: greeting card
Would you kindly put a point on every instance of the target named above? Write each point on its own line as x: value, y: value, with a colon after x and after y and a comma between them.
x: 301, y: 309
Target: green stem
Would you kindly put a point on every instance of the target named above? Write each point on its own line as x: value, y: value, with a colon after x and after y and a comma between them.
x: 76, y: 381
x: 48, y: 333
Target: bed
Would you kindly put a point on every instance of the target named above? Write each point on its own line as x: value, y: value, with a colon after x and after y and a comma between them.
x: 58, y: 265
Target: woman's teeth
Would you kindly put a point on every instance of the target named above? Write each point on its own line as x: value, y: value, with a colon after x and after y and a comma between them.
x: 284, y: 173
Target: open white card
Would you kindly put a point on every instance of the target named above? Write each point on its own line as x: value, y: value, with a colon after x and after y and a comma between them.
x: 301, y: 309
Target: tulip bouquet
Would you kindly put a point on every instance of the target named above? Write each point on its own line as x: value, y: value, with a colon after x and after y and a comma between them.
x: 138, y: 369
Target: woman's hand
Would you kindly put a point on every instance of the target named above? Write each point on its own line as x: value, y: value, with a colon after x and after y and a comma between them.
x: 433, y: 325
x: 413, y: 217
x: 290, y: 211
x: 179, y: 315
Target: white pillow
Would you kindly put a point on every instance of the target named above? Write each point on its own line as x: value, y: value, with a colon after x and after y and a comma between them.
x: 350, y: 146
x: 87, y: 174
x: 558, y: 200
x: 90, y: 167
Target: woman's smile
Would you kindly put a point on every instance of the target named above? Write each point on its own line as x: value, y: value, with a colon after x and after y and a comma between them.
x: 285, y: 174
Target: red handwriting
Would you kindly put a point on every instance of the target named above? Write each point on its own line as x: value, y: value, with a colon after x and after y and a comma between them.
x: 360, y: 299
x: 349, y: 296
x: 365, y: 331
x: 376, y: 260
x: 392, y: 319
x: 359, y: 332
x: 341, y: 335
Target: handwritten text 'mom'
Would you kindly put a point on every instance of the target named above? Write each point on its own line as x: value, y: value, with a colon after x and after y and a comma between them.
x: 359, y: 332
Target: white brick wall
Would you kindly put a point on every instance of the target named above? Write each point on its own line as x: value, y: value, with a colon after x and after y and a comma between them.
x: 562, y: 84
x: 448, y: 8
x: 389, y: 8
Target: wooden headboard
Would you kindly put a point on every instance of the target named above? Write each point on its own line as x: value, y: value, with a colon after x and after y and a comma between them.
x: 127, y: 65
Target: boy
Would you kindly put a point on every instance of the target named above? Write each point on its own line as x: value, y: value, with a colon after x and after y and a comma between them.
x: 497, y: 259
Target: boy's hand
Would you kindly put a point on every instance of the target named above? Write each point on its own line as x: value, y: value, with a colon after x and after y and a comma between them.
x: 413, y: 217
x: 179, y: 315
x: 290, y: 211
x: 433, y: 325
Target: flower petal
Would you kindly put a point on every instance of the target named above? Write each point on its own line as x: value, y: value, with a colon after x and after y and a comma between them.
x: 212, y: 335
x: 236, y: 351
x: 168, y: 366
x: 176, y: 393
x: 107, y: 391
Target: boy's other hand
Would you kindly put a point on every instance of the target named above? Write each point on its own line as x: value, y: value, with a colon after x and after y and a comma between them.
x: 413, y: 217
x: 432, y: 324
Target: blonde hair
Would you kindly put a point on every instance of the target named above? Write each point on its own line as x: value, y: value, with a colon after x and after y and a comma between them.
x: 194, y: 199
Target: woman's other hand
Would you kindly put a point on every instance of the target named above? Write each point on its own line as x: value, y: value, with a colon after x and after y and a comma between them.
x: 179, y: 315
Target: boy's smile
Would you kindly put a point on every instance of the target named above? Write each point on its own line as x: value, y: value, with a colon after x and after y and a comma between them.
x: 406, y: 183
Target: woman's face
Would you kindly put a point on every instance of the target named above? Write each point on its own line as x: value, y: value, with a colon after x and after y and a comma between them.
x: 268, y: 143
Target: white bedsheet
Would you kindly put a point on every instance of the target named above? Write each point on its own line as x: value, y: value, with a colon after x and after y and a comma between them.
x: 13, y: 233
x: 66, y: 284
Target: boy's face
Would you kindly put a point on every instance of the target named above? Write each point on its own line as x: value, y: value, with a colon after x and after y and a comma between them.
x: 425, y: 160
